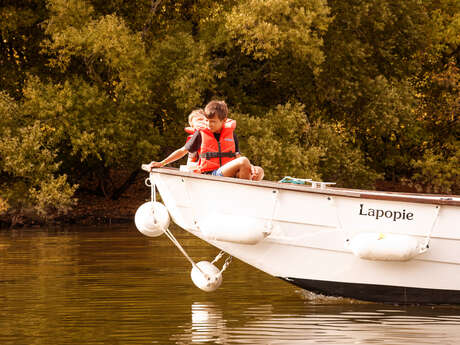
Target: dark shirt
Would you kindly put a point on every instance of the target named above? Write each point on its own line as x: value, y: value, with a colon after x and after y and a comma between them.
x: 194, y: 144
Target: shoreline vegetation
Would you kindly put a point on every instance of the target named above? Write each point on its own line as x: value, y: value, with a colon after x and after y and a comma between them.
x: 90, y: 209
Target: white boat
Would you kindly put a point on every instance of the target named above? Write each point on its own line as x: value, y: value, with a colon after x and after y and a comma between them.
x: 368, y: 245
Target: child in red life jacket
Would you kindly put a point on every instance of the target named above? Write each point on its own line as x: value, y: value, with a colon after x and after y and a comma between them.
x: 217, y: 146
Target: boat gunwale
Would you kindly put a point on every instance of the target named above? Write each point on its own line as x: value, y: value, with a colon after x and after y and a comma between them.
x: 436, y: 199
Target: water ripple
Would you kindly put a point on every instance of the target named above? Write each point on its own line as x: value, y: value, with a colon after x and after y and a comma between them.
x: 114, y: 286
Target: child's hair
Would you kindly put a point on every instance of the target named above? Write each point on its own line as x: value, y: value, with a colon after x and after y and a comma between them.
x: 194, y: 113
x: 216, y: 108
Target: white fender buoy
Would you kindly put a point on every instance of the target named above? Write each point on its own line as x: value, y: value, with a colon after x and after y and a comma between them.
x: 385, y: 247
x: 208, y: 279
x: 236, y: 229
x: 152, y: 219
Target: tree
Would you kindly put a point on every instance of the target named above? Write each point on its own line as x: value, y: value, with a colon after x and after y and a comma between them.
x: 28, y: 180
x: 348, y: 91
x: 20, y: 39
x: 285, y: 143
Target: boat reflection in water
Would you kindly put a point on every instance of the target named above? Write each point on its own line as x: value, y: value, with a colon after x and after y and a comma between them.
x: 208, y: 324
x: 332, y: 323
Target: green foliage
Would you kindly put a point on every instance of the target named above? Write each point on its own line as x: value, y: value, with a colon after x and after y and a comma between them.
x: 387, y: 119
x: 286, y: 144
x: 28, y: 166
x: 348, y: 91
x: 266, y: 52
x: 20, y: 38
x: 365, y: 82
x: 436, y: 174
x: 277, y: 142
x: 341, y: 161
x: 437, y: 170
x: 265, y: 29
x: 114, y: 57
x: 8, y: 111
x: 185, y: 69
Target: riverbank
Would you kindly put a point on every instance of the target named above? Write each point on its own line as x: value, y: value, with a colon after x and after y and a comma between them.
x: 92, y: 209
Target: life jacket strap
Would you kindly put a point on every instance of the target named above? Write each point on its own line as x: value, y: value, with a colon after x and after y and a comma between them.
x: 209, y: 155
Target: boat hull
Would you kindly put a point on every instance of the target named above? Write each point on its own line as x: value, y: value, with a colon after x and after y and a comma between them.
x: 310, y: 232
x: 378, y: 293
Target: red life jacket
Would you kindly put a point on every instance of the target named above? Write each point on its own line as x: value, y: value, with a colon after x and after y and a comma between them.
x: 213, y: 153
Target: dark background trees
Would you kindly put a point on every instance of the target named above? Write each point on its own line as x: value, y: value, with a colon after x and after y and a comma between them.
x: 349, y: 91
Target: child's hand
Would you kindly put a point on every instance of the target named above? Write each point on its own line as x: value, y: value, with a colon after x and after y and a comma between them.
x: 155, y: 165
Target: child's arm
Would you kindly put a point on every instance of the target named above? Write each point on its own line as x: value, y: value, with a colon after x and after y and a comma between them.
x: 178, y: 154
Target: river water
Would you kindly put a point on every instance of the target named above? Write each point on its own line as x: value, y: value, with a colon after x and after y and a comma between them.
x: 112, y: 285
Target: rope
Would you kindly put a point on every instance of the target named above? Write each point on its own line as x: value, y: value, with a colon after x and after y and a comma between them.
x: 149, y: 182
x: 226, y: 263
x: 339, y: 223
x: 181, y: 249
x: 153, y: 194
x: 426, y: 245
x: 218, y: 257
x: 275, y: 194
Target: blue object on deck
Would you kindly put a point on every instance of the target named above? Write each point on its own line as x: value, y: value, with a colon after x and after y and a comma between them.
x: 289, y: 179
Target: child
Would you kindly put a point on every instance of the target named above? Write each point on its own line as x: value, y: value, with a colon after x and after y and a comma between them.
x: 217, y: 146
x: 196, y: 121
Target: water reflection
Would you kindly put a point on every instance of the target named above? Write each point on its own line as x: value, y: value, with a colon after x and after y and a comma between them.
x: 208, y: 324
x: 111, y: 285
x: 330, y: 324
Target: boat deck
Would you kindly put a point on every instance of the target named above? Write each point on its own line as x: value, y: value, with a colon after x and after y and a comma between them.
x: 437, y: 199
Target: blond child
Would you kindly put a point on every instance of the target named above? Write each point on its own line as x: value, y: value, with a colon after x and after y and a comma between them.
x: 196, y: 121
